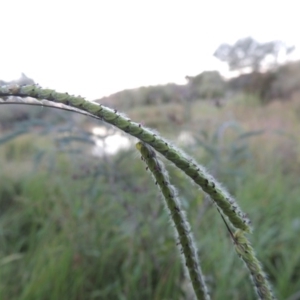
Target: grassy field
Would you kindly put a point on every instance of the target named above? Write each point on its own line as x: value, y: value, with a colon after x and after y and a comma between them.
x: 79, y: 227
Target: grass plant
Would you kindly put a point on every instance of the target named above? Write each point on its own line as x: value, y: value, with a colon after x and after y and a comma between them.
x: 39, y: 216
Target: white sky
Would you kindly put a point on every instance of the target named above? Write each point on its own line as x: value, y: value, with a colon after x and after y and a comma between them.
x: 95, y: 48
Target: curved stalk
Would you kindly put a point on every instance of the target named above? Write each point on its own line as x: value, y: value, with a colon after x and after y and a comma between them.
x: 247, y: 254
x: 181, y: 225
x: 196, y: 172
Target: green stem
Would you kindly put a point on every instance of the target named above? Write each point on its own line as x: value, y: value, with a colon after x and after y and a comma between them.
x: 247, y: 254
x: 180, y: 159
x: 182, y: 227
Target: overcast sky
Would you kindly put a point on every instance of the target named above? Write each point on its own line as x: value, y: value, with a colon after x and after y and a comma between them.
x: 95, y: 48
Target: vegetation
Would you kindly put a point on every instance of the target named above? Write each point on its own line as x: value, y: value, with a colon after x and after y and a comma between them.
x: 75, y: 229
x: 278, y: 83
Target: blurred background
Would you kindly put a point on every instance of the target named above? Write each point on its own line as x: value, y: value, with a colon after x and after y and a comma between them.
x: 80, y: 217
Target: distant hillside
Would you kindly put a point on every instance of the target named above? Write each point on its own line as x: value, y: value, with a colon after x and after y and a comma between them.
x: 279, y: 83
x: 207, y: 85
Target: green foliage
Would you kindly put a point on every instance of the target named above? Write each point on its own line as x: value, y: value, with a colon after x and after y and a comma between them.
x: 40, y: 241
x: 189, y: 166
x: 226, y: 150
x: 207, y: 85
x: 80, y: 243
x: 151, y: 95
x: 79, y: 232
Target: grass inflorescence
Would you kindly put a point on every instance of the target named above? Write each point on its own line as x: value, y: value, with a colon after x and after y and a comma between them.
x: 181, y: 225
x: 196, y: 172
x: 35, y: 233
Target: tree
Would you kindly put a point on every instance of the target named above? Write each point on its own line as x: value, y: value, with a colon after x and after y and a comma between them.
x: 249, y: 53
x: 207, y: 85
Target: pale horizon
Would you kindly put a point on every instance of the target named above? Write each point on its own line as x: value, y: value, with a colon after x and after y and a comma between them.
x: 96, y: 48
